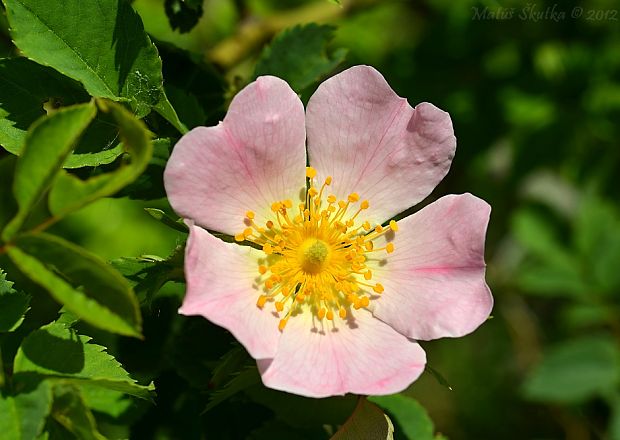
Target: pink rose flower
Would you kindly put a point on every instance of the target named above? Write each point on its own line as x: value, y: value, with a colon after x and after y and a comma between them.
x: 326, y: 299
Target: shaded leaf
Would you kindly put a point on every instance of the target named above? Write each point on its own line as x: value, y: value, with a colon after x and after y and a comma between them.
x: 9, y: 205
x: 148, y: 274
x: 367, y: 422
x: 70, y: 410
x: 25, y: 87
x: 81, y: 281
x: 575, y: 371
x: 52, y: 33
x: 70, y: 193
x: 183, y: 14
x: 299, y: 55
x: 304, y: 412
x: 47, y: 145
x: 410, y: 416
x: 241, y: 381
x: 13, y: 305
x: 55, y: 351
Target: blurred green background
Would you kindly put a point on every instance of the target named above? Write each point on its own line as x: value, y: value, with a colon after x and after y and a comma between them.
x: 535, y: 101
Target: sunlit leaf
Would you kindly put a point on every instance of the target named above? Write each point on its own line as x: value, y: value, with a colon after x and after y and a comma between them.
x: 112, y: 56
x: 55, y: 351
x: 81, y: 281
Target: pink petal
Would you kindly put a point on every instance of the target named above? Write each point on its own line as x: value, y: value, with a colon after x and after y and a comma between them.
x: 365, y: 356
x: 434, y: 280
x: 372, y: 142
x: 221, y: 287
x: 255, y: 157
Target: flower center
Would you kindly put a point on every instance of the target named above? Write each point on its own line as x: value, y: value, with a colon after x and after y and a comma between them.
x: 317, y: 255
x: 312, y: 255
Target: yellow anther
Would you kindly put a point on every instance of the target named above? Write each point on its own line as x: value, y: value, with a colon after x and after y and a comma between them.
x: 369, y: 246
x: 389, y: 248
x: 328, y: 180
x: 353, y: 197
x: 364, y: 301
x: 269, y: 284
x: 312, y: 191
x: 300, y: 297
x: 342, y: 204
x: 250, y: 215
x: 247, y: 232
x: 330, y: 315
x: 393, y: 225
x: 331, y: 198
x: 310, y: 172
x: 262, y: 269
x: 279, y: 306
x: 261, y: 301
x: 239, y: 237
x: 365, y: 204
x: 342, y: 313
x: 282, y: 324
x: 349, y: 223
x: 269, y: 224
x: 288, y: 203
x: 275, y: 206
x: 378, y: 288
x: 267, y: 249
x: 368, y: 275
x: 366, y: 225
x: 379, y: 229
x: 321, y: 313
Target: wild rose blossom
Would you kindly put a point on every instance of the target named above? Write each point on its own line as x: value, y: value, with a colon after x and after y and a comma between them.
x: 325, y: 298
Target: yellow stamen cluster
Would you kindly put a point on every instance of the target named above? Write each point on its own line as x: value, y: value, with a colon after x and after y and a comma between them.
x: 317, y: 254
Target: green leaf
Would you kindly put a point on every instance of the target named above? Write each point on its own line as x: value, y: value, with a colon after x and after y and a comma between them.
x: 55, y: 351
x: 22, y: 416
x: 243, y: 380
x: 47, y: 145
x: 575, y: 371
x: 148, y: 274
x: 13, y: 305
x: 553, y: 271
x: 101, y: 43
x: 537, y: 236
x: 410, y: 416
x: 25, y: 87
x: 367, y: 422
x: 167, y: 220
x: 597, y: 237
x: 81, y: 281
x: 304, y: 412
x: 106, y: 401
x: 70, y: 193
x: 150, y: 184
x: 299, y: 55
x: 9, y: 205
x: 70, y: 410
